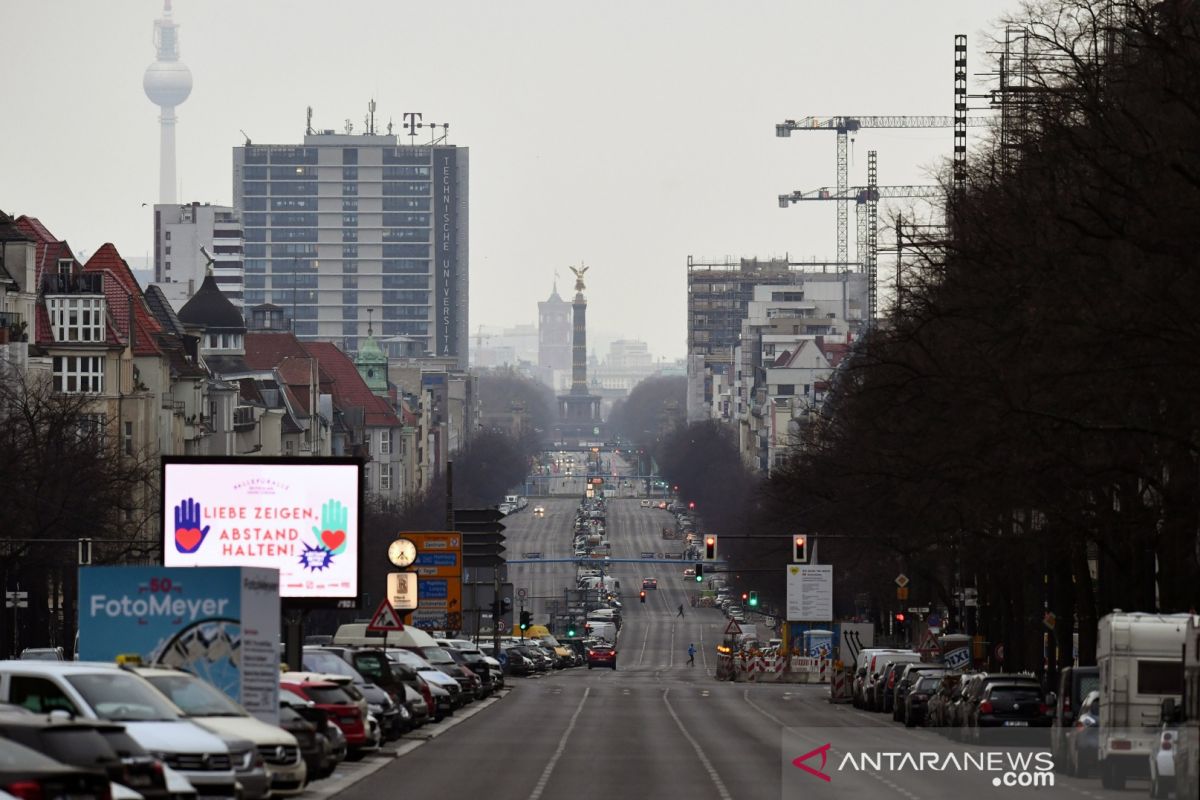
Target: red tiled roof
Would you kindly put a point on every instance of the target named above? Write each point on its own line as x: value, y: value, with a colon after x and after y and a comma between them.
x: 349, y: 388
x: 834, y: 351
x: 122, y: 291
x: 49, y: 251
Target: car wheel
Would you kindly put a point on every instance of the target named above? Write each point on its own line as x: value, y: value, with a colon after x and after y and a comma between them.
x: 909, y: 722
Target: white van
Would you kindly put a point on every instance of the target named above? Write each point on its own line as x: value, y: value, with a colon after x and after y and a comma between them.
x: 601, y: 630
x: 1139, y: 656
x: 356, y: 634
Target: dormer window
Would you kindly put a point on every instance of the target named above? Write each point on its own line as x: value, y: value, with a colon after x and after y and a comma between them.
x: 75, y: 318
x: 65, y: 266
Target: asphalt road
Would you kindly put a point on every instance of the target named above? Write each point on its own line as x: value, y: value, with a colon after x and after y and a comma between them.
x: 656, y: 727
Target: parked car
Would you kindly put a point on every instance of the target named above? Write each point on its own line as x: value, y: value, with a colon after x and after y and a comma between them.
x: 42, y: 777
x: 342, y: 710
x: 889, y: 667
x: 924, y: 686
x: 909, y: 676
x: 100, y: 691
x: 1004, y: 704
x: 84, y: 744
x: 276, y: 752
x: 355, y: 663
x: 1074, y: 683
x: 314, y: 747
x: 1082, y: 741
x: 433, y: 676
x: 42, y: 654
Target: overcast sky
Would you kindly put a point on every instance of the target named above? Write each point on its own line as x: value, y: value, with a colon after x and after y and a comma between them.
x: 626, y: 135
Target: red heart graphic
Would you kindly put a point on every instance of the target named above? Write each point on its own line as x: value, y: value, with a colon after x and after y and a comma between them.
x: 187, y: 538
x: 333, y: 539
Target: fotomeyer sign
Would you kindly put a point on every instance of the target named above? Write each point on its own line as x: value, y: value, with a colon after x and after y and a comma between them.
x: 219, y: 623
x: 298, y: 516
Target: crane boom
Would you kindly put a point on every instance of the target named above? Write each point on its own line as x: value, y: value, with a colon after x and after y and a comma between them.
x: 861, y: 194
x: 850, y: 124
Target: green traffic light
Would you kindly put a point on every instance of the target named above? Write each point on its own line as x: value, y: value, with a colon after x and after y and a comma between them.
x: 699, y: 579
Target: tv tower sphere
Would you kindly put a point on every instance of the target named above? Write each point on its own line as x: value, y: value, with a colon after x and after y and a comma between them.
x: 167, y: 83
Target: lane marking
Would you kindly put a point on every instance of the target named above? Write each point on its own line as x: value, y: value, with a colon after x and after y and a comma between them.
x: 562, y: 745
x: 672, y: 651
x: 645, y: 638
x: 767, y: 714
x: 712, y: 772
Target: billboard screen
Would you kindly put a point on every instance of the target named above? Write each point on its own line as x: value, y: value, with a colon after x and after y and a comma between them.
x: 300, y: 516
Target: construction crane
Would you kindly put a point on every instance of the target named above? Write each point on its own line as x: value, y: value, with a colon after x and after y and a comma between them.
x: 844, y: 127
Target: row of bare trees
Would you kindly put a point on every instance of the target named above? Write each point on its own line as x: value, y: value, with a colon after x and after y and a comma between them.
x: 1025, y: 423
x: 1026, y: 420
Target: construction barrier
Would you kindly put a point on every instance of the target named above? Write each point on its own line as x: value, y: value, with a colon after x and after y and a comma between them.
x: 839, y: 684
x: 780, y: 669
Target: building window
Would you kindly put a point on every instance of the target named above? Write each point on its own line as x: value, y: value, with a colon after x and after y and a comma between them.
x: 79, y: 374
x: 385, y: 443
x: 349, y: 155
x: 168, y: 236
x: 92, y: 427
x: 385, y: 477
x: 128, y: 439
x: 785, y: 390
x: 77, y: 319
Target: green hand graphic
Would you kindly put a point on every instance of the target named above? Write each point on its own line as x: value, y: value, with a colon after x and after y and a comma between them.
x: 332, y: 533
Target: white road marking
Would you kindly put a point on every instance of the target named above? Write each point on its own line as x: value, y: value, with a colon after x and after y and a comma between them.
x: 767, y: 714
x: 672, y: 650
x: 712, y: 772
x: 645, y: 638
x: 562, y: 745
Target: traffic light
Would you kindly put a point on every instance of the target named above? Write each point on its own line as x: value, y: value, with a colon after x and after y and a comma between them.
x: 699, y: 572
x: 753, y: 599
x: 745, y: 596
x: 899, y: 616
x: 710, y: 547
x: 643, y: 595
x: 526, y: 620
x: 571, y: 628
x: 505, y: 606
x: 800, y: 549
x: 692, y: 505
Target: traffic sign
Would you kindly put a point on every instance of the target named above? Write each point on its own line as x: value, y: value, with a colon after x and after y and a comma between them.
x: 957, y: 658
x: 733, y: 629
x: 902, y: 580
x: 385, y: 619
x: 901, y: 593
x: 522, y: 593
x: 929, y: 645
x: 918, y: 609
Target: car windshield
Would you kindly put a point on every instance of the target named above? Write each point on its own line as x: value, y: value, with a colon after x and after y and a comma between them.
x: 409, y: 657
x: 373, y: 666
x: 195, y: 697
x: 328, y: 695
x: 928, y: 684
x: 330, y: 663
x: 437, y: 656
x: 122, y: 697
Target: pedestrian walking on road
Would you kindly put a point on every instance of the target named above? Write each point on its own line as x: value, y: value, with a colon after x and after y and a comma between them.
x: 680, y: 614
x: 691, y: 655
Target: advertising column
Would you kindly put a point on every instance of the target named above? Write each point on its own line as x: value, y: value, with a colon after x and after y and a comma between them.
x: 218, y: 623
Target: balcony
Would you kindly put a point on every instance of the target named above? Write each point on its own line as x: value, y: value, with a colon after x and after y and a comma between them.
x: 244, y: 419
x: 12, y: 327
x: 82, y: 283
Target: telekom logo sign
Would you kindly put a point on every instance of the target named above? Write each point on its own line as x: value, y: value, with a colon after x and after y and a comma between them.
x: 823, y: 752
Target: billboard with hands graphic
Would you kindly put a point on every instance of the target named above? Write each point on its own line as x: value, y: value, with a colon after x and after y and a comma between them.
x: 300, y: 516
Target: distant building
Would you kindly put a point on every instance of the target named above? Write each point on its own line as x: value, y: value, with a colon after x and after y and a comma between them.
x: 343, y: 222
x: 182, y: 236
x: 719, y: 295
x: 554, y: 341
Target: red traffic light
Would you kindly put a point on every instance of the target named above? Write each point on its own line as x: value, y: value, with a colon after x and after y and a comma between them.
x: 692, y: 504
x: 899, y: 617
x: 745, y: 595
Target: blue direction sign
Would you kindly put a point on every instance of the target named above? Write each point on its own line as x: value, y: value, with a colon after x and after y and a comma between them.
x: 437, y: 560
x: 431, y: 589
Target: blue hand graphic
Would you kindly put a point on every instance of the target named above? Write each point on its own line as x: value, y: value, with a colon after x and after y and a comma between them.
x: 188, y: 533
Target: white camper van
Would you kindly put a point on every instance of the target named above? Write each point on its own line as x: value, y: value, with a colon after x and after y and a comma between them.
x: 1187, y: 749
x: 1140, y: 660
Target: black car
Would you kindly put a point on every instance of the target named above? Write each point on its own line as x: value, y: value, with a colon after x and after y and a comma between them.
x: 1010, y: 705
x: 917, y: 700
x: 908, y: 677
x: 28, y: 773
x: 316, y: 756
x: 477, y: 666
x: 92, y: 746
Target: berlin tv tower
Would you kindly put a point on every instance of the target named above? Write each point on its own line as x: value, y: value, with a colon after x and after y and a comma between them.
x: 167, y: 82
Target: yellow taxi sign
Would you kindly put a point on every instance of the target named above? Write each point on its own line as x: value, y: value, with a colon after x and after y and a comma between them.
x: 129, y: 659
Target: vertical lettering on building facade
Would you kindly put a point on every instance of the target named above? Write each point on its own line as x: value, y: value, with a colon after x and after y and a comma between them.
x: 446, y: 249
